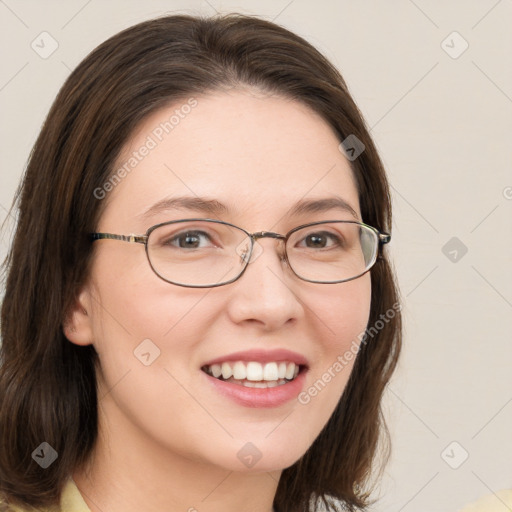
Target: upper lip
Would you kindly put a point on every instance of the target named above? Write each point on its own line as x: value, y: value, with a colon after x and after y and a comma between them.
x: 261, y: 356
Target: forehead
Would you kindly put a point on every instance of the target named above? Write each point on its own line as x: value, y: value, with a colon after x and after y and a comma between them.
x: 254, y: 153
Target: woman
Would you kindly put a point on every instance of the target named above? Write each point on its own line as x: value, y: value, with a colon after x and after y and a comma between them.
x: 199, y: 309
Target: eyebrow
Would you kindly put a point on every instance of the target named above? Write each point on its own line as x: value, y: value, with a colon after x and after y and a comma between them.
x: 216, y: 208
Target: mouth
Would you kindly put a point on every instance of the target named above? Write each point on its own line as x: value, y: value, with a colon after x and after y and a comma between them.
x: 254, y: 374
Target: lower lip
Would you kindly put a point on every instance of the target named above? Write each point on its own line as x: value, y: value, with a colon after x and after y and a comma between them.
x: 259, y: 397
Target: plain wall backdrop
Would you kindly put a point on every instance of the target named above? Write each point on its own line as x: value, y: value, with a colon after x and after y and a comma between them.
x: 434, y: 82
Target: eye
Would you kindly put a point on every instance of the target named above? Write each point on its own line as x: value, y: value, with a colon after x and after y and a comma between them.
x: 322, y: 240
x: 189, y: 240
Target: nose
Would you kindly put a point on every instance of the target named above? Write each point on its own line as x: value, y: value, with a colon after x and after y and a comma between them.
x: 267, y: 293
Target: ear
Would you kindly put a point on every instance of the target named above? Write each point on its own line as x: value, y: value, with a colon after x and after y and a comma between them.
x: 77, y: 325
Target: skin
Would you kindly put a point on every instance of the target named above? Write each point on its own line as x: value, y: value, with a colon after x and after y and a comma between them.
x: 167, y: 440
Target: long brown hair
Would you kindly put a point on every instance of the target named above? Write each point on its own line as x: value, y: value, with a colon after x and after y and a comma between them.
x: 47, y: 384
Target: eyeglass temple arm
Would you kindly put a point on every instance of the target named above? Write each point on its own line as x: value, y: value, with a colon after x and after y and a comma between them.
x: 109, y: 236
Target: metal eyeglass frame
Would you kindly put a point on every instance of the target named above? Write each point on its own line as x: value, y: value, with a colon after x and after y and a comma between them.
x: 382, y: 238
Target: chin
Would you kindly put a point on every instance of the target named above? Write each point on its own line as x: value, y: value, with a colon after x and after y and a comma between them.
x: 254, y: 457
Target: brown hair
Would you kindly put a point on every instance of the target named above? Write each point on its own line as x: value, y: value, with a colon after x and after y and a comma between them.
x: 47, y: 384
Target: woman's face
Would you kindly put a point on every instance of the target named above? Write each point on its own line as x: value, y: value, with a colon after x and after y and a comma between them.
x: 258, y: 156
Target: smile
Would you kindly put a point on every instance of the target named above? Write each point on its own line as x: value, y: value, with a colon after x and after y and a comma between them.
x: 254, y: 374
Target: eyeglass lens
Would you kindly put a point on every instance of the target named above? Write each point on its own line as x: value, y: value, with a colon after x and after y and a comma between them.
x: 202, y: 253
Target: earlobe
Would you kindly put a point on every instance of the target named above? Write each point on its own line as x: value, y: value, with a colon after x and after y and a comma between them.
x: 77, y: 324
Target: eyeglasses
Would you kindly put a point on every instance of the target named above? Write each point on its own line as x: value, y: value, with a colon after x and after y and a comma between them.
x: 204, y: 253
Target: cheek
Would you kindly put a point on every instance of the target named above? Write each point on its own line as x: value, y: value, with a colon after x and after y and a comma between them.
x: 143, y: 326
x: 130, y: 303
x: 144, y: 336
x: 345, y: 312
x: 342, y: 319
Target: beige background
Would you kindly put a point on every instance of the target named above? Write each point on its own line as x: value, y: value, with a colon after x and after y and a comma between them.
x: 444, y: 127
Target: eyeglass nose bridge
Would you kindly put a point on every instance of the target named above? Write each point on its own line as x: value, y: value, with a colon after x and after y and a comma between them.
x: 265, y: 234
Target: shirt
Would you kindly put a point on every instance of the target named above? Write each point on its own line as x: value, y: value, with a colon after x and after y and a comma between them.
x: 70, y: 501
x: 496, y: 502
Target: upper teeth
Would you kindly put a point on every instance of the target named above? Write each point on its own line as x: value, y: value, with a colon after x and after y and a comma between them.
x: 254, y: 371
